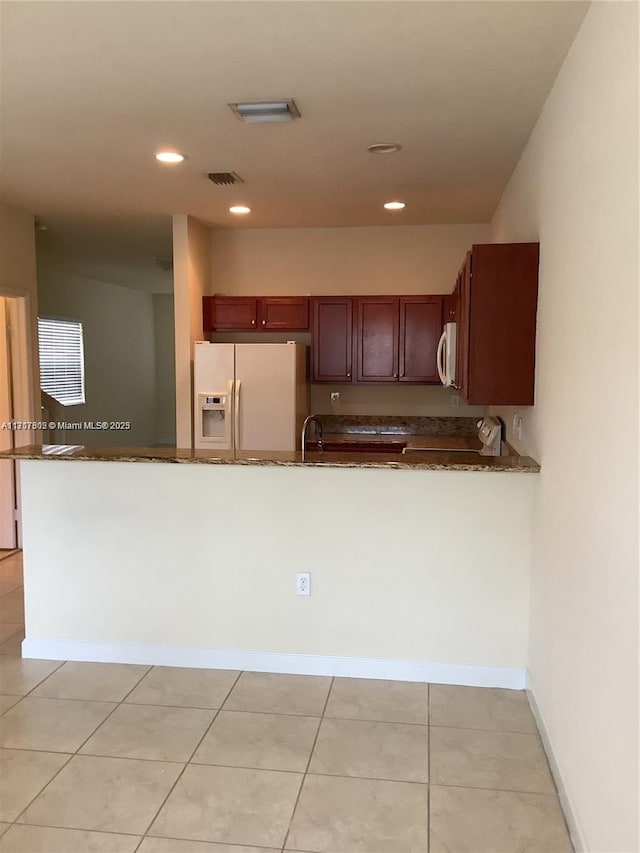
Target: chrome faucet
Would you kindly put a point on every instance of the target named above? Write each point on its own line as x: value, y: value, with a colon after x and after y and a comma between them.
x: 309, y: 419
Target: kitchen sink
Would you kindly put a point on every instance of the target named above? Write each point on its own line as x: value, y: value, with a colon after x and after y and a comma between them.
x: 358, y: 446
x: 439, y: 450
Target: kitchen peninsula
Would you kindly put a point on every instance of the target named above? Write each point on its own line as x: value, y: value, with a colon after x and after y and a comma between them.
x: 419, y: 567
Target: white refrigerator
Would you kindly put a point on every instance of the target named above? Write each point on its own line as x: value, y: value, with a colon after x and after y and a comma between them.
x: 249, y: 396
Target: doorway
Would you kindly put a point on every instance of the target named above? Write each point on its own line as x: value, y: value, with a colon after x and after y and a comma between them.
x: 15, y: 408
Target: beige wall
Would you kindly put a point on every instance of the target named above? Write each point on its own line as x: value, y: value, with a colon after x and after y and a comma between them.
x: 191, y: 281
x: 392, y: 579
x: 366, y: 399
x: 576, y: 190
x: 373, y: 260
x: 119, y: 353
x: 165, y: 368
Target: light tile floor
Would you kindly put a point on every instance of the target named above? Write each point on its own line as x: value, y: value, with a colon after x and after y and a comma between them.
x: 107, y: 758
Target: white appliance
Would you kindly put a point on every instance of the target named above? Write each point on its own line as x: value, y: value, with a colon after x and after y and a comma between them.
x: 490, y: 435
x: 249, y: 396
x: 446, y: 357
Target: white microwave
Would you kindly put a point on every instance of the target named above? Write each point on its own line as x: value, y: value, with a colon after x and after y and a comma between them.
x: 446, y: 358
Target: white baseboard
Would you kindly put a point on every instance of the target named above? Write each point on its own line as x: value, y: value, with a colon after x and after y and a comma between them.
x: 575, y: 830
x: 206, y: 658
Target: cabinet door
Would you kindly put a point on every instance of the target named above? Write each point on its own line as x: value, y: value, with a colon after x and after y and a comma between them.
x: 284, y: 313
x: 463, y: 315
x: 207, y: 314
x: 332, y: 327
x: 450, y: 306
x: 234, y: 312
x: 501, y: 324
x: 420, y: 330
x: 377, y: 339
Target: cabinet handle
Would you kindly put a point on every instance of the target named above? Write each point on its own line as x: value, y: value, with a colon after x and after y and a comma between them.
x: 395, y: 375
x: 253, y: 322
x: 348, y: 376
x: 264, y: 322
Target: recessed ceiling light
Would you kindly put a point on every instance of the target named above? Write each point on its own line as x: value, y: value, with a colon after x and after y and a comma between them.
x: 255, y: 111
x: 239, y: 209
x: 169, y: 157
x: 395, y: 205
x: 384, y: 148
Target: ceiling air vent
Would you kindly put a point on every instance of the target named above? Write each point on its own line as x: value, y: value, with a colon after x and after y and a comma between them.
x: 223, y: 179
x: 255, y: 111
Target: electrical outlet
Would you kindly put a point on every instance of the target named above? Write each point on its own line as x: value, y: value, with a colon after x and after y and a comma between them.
x: 335, y: 398
x: 303, y: 583
x: 455, y: 401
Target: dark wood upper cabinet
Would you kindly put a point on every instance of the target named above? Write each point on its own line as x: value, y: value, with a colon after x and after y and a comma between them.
x: 227, y: 313
x: 255, y: 313
x: 463, y: 290
x: 332, y: 337
x: 354, y: 339
x: 420, y: 329
x: 397, y: 338
x: 283, y: 313
x: 377, y: 334
x: 450, y: 306
x: 497, y: 324
x: 206, y: 313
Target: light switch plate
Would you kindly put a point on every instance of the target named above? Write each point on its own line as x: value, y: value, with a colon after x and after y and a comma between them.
x: 335, y: 398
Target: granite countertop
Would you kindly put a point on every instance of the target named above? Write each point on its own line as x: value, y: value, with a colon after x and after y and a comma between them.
x: 429, y: 460
x: 433, y: 444
x: 411, y: 442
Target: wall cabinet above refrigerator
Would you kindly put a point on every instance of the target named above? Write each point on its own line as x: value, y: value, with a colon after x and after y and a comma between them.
x: 255, y: 313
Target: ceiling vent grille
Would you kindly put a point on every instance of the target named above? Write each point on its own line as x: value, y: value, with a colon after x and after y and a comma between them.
x: 261, y: 111
x: 223, y: 179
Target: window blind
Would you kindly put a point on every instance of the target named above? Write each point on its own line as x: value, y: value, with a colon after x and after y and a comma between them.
x: 61, y: 360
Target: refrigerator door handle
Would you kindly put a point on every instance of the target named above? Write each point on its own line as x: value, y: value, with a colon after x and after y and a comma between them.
x: 236, y: 417
x: 440, y: 360
x: 229, y: 416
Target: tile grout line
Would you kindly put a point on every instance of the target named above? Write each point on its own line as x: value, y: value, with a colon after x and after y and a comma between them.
x: 12, y: 553
x: 428, y: 768
x: 214, y: 843
x: 501, y: 790
x: 74, y: 829
x: 306, y: 770
x: 188, y: 762
x: 238, y: 710
x: 33, y: 799
x: 486, y: 731
x: 12, y: 636
x: 35, y: 686
x: 72, y: 754
x: 110, y: 714
x: 11, y: 592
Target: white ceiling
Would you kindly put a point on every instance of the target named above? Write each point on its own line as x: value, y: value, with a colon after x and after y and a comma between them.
x: 91, y: 90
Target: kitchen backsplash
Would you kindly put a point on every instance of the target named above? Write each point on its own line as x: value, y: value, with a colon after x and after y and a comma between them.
x: 403, y: 425
x: 386, y: 399
x: 390, y: 400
